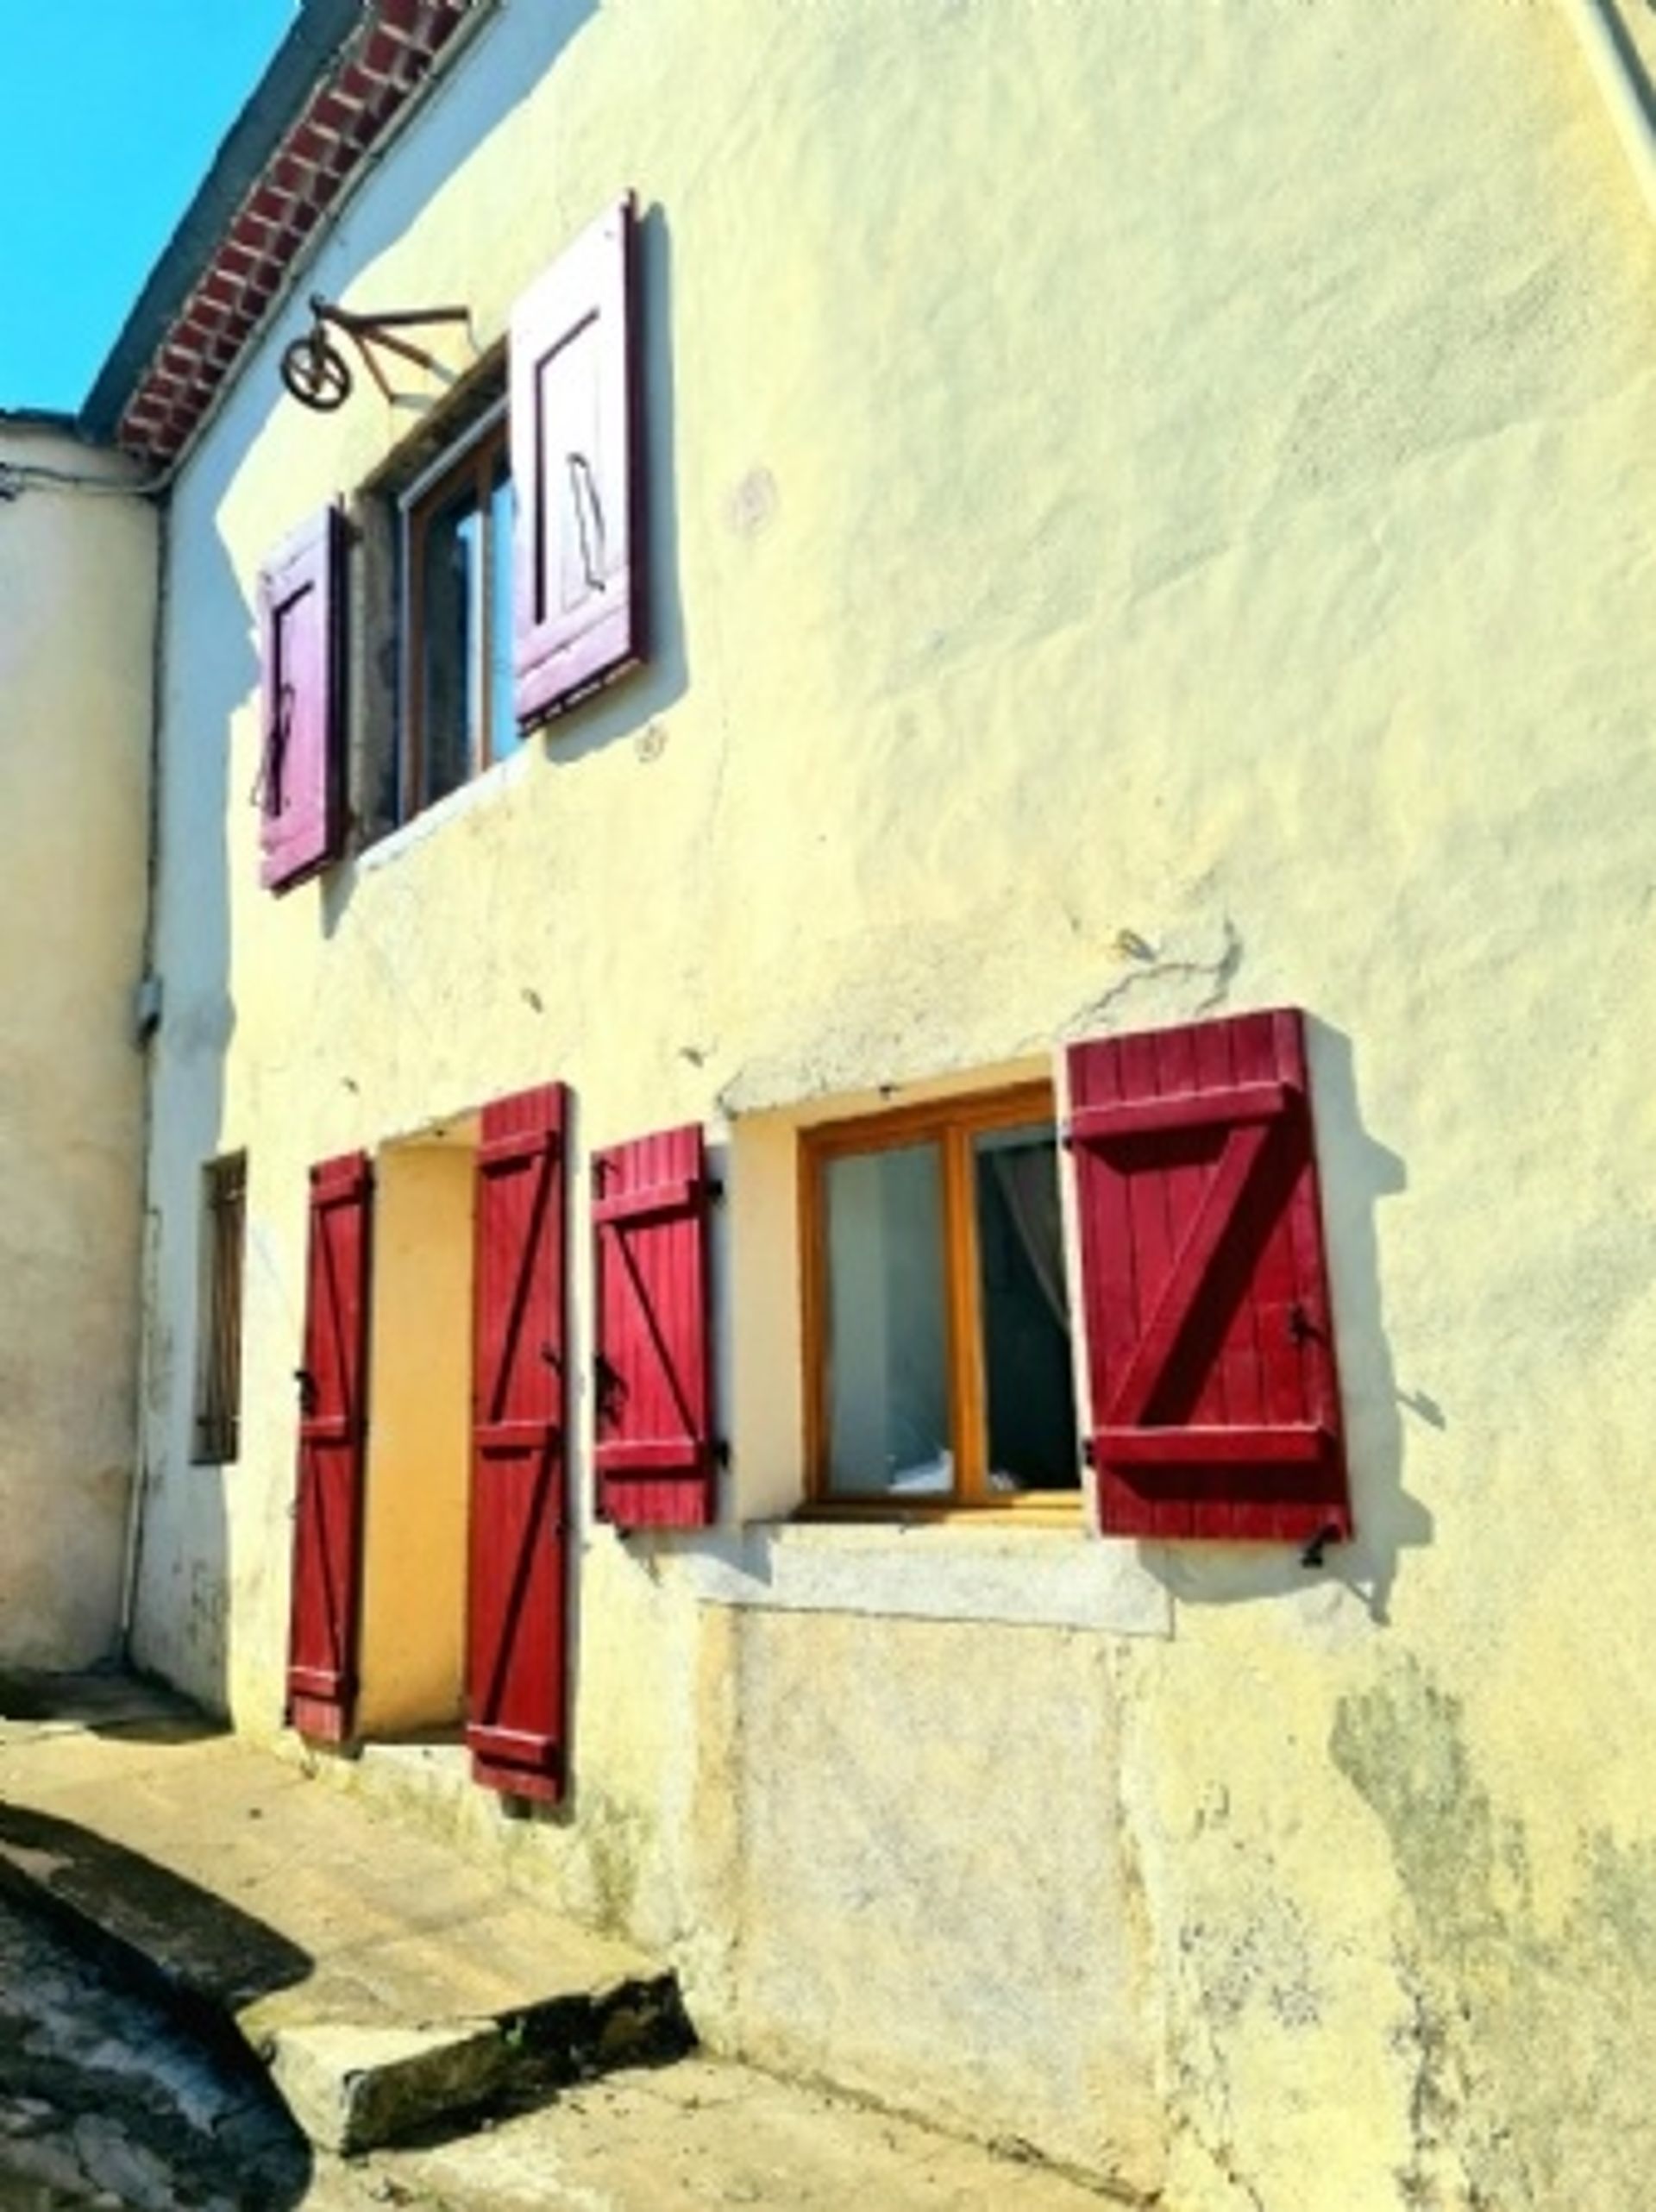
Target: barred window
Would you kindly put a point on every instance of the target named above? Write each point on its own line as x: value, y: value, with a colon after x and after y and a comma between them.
x: 218, y: 1364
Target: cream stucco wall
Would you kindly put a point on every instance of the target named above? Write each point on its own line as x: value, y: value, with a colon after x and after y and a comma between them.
x: 77, y: 616
x: 1151, y: 513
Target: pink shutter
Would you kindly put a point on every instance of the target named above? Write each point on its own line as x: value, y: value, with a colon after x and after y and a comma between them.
x: 517, y: 1613
x: 301, y: 645
x: 333, y: 1433
x: 576, y: 466
x: 1215, y: 1403
x: 654, y: 1453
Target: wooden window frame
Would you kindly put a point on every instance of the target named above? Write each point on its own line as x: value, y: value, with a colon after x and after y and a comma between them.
x: 468, y: 464
x: 952, y: 1123
x: 216, y: 1434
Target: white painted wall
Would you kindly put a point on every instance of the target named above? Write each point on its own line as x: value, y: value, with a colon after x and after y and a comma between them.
x: 77, y: 616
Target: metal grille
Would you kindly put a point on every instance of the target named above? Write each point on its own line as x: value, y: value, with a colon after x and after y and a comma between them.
x: 218, y: 1383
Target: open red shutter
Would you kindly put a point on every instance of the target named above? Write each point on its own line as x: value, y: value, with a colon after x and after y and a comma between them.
x: 576, y: 468
x: 1215, y: 1404
x: 517, y: 1622
x: 654, y: 1453
x: 301, y: 642
x: 333, y: 1431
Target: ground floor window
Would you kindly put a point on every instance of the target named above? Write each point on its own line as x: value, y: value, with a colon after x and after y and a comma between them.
x: 218, y: 1360
x: 936, y: 1320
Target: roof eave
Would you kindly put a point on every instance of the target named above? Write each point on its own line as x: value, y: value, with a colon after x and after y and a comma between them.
x: 304, y: 55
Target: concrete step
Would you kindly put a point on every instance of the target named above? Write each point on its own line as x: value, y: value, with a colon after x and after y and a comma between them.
x: 388, y: 1982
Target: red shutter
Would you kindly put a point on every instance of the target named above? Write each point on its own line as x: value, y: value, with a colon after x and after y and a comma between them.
x: 301, y: 649
x: 1215, y: 1404
x: 576, y: 455
x: 654, y: 1453
x: 517, y: 1613
x: 333, y: 1432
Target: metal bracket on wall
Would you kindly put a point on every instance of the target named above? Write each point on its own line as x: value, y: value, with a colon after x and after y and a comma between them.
x: 317, y: 372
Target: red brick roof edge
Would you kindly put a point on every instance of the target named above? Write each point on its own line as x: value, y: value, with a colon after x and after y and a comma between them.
x: 349, y: 108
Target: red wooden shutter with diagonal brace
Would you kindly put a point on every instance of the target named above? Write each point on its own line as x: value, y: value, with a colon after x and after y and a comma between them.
x: 518, y: 1618
x: 1210, y: 1353
x: 333, y: 1432
x: 654, y: 1453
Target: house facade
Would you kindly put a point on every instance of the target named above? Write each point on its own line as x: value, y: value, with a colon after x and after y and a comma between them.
x: 899, y: 1154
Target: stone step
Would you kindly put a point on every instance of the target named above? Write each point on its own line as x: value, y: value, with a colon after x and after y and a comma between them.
x: 390, y: 1984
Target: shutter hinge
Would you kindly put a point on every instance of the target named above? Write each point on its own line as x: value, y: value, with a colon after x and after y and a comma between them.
x: 1312, y: 1556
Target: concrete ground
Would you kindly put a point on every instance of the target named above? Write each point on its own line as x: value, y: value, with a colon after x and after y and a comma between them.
x: 158, y: 1936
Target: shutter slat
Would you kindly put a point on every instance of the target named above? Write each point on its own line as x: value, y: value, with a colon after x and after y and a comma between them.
x: 517, y: 1609
x: 1208, y: 1335
x: 327, y: 1508
x: 656, y: 1199
x: 1199, y: 1110
x: 654, y: 1458
x: 1240, y: 1444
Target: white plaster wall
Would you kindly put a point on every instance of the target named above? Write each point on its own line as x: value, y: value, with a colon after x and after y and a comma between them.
x: 1150, y: 512
x: 77, y: 616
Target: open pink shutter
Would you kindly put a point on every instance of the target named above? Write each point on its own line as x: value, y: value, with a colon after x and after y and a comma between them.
x: 333, y: 1434
x: 1215, y: 1404
x: 576, y: 467
x: 518, y: 1614
x: 654, y: 1452
x: 301, y: 643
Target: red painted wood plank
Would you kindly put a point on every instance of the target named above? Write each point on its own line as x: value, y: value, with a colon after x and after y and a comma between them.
x: 1196, y: 1109
x: 517, y: 1566
x: 677, y: 1195
x: 1253, y: 1443
x: 327, y: 1506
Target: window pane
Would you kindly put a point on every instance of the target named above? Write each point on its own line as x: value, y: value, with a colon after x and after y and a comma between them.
x: 887, y: 1358
x: 503, y: 721
x: 1028, y: 1380
x: 451, y: 584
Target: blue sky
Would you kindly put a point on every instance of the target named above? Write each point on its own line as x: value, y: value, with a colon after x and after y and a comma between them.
x: 112, y: 112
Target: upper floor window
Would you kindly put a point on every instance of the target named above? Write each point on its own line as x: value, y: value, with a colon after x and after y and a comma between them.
x: 456, y: 534
x: 505, y: 550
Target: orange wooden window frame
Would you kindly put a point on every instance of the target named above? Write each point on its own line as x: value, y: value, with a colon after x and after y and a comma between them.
x: 474, y: 470
x: 951, y: 1123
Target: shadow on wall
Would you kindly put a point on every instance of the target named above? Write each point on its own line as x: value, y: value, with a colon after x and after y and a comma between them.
x: 1357, y: 1172
x: 178, y: 1606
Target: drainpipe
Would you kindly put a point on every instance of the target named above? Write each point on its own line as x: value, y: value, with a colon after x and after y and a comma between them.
x: 1611, y: 57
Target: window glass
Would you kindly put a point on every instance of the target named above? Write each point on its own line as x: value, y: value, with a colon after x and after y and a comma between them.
x: 504, y: 734
x: 457, y: 549
x: 1028, y: 1385
x: 452, y: 682
x: 887, y: 1358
